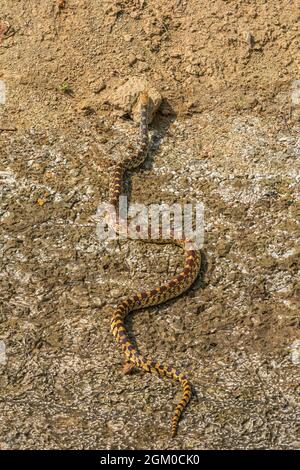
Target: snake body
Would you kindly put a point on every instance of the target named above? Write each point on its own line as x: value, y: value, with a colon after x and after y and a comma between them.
x: 158, y: 295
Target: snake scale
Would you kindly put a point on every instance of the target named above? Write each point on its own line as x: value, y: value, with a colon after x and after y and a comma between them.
x: 160, y: 294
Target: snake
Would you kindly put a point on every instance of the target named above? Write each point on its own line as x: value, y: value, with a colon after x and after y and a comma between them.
x: 162, y: 293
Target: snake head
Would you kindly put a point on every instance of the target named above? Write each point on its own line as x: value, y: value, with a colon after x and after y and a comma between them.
x: 144, y: 98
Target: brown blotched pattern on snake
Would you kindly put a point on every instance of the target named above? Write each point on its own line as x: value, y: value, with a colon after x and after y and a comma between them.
x: 158, y: 295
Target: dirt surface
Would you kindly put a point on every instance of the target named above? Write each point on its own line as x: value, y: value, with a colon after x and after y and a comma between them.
x: 227, y: 135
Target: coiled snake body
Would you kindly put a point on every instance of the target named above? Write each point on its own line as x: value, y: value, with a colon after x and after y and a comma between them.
x: 158, y: 295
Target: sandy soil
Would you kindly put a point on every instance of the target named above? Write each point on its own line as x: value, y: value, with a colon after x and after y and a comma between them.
x: 226, y: 134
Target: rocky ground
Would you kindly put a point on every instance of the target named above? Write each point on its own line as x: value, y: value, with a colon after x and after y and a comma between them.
x: 226, y: 135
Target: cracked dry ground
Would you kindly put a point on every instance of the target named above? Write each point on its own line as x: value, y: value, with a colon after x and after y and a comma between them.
x: 226, y: 136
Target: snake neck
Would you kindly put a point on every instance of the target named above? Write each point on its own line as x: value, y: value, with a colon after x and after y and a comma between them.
x: 117, y: 175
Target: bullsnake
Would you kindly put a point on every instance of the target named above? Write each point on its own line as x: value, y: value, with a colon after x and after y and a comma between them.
x: 158, y: 295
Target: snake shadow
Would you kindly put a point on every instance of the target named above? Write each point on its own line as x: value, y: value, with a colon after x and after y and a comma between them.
x: 197, y: 285
x: 159, y: 129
